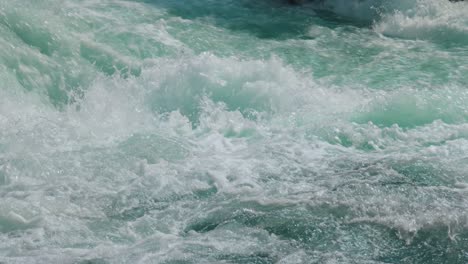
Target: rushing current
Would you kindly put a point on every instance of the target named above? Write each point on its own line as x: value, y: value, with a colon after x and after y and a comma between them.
x: 233, y: 131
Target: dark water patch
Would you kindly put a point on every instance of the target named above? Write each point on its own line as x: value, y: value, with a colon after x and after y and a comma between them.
x: 264, y: 19
x: 179, y: 261
x: 136, y: 205
x: 385, y: 243
x: 311, y: 226
x: 432, y: 245
x: 398, y: 172
x: 326, y: 230
x: 136, y: 208
x: 254, y: 258
x: 425, y: 173
x: 334, y: 20
x: 92, y: 261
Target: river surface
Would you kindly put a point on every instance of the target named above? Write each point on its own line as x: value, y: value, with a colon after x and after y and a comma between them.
x: 233, y: 131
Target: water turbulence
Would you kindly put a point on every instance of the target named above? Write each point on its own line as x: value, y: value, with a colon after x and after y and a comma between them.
x: 233, y: 131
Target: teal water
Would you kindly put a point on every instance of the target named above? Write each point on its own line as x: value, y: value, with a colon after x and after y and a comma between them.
x: 233, y: 131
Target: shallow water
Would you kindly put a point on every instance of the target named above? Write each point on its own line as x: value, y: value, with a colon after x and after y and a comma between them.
x: 233, y: 131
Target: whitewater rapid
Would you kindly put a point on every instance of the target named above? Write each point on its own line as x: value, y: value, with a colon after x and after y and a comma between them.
x: 233, y: 131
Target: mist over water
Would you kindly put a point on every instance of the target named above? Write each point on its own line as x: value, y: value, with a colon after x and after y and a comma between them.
x: 230, y: 131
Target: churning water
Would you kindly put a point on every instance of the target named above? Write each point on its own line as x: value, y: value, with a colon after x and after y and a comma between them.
x: 233, y: 131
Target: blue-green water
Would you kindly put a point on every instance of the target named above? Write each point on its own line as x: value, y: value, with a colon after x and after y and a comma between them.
x: 233, y: 131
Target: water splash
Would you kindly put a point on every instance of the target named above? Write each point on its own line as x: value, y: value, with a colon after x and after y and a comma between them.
x: 137, y: 132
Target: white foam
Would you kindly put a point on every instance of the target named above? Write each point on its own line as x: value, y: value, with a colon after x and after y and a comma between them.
x: 435, y: 20
x: 135, y: 160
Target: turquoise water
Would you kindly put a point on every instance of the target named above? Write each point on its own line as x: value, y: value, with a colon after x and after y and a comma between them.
x: 233, y: 131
